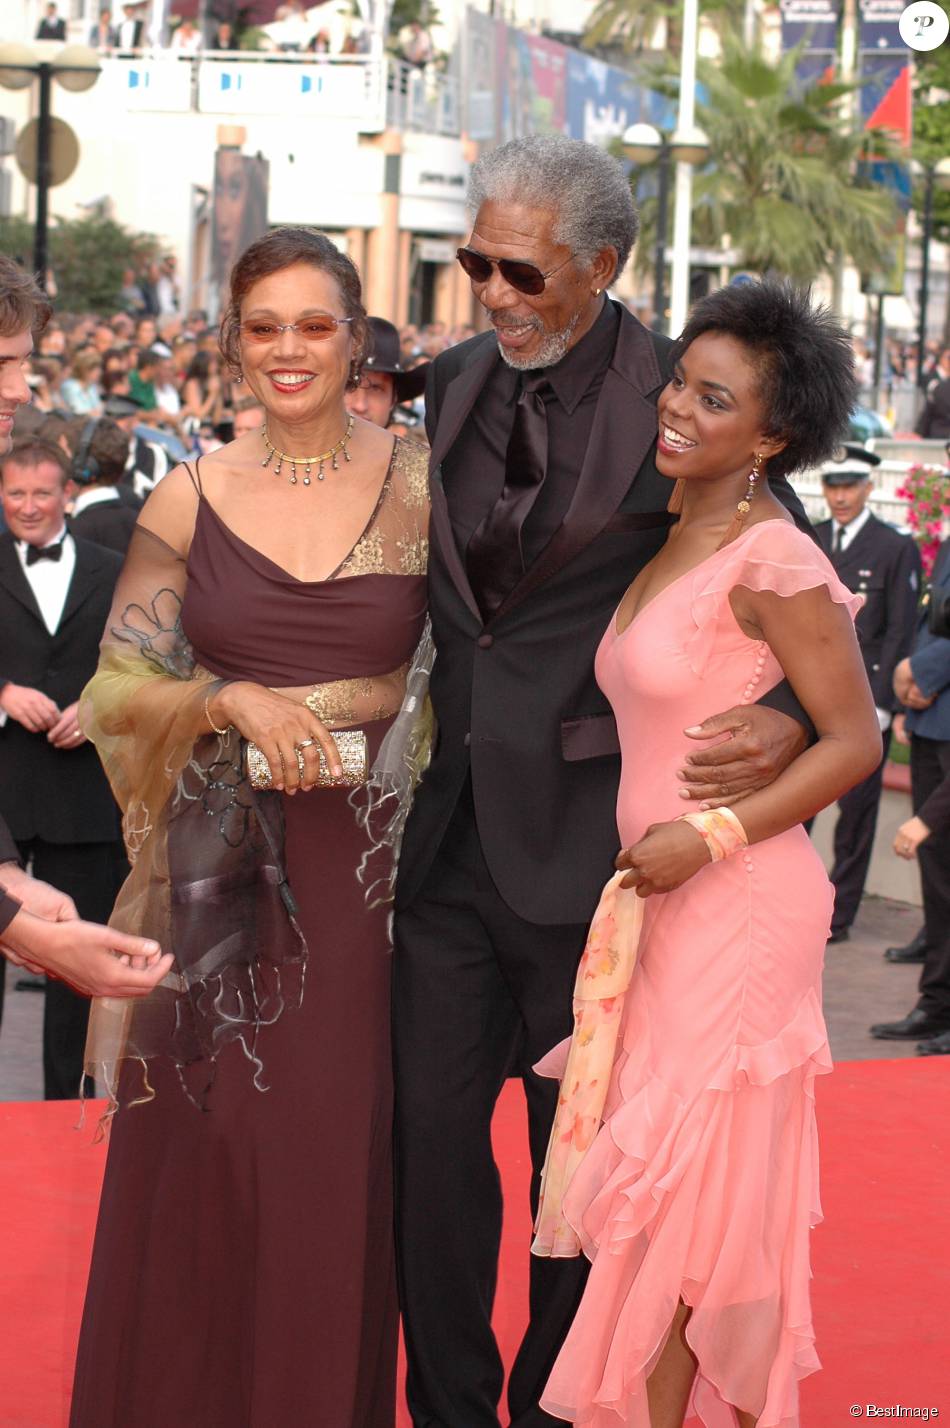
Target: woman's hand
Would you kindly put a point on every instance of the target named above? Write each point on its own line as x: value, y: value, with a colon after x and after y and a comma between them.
x: 909, y: 836
x: 279, y: 727
x: 667, y: 855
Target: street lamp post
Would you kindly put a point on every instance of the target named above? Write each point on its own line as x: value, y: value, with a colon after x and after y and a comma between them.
x: 936, y: 176
x: 76, y: 68
x: 643, y: 144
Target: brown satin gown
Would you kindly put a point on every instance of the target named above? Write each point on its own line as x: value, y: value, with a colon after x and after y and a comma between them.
x: 242, y: 1274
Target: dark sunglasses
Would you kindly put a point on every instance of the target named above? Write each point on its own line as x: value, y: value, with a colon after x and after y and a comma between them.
x: 523, y: 277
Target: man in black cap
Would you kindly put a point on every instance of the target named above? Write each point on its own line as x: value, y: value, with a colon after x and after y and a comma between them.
x: 876, y: 561
x: 384, y: 381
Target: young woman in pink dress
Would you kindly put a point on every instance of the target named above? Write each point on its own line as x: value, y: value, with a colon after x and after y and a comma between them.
x: 695, y: 1199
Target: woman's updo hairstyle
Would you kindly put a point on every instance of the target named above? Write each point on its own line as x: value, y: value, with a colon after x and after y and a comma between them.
x: 803, y: 357
x: 279, y: 249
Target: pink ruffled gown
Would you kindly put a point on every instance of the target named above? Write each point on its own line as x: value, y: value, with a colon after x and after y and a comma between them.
x: 702, y: 1183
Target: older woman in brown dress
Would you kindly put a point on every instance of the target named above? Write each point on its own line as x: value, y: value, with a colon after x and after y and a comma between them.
x: 242, y: 1274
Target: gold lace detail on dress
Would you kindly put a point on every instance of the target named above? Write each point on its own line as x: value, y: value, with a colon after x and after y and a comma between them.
x: 396, y: 540
x: 358, y: 701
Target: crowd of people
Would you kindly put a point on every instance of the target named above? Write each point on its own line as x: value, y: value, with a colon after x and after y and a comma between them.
x: 293, y: 29
x: 592, y: 615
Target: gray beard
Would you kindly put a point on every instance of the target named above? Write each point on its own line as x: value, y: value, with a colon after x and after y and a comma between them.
x: 552, y: 349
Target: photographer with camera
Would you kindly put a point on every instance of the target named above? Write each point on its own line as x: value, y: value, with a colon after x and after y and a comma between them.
x: 922, y: 684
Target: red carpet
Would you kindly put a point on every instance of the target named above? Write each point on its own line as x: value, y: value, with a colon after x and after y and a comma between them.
x: 881, y: 1260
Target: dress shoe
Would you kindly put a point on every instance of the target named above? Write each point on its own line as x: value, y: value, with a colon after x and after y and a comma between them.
x: 839, y: 934
x: 915, y: 1024
x: 935, y: 1045
x: 915, y: 951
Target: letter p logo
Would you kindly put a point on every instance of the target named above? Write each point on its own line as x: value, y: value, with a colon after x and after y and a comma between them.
x: 924, y: 25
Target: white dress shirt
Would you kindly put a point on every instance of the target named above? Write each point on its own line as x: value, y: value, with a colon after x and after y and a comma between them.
x: 50, y: 579
x: 849, y: 531
x: 92, y: 496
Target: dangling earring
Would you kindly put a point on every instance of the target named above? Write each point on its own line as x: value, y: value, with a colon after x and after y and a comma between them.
x: 238, y: 378
x: 745, y: 505
x: 675, y: 504
x: 597, y: 292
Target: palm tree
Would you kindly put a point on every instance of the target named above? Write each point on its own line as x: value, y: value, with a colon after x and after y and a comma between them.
x: 625, y: 27
x: 784, y: 184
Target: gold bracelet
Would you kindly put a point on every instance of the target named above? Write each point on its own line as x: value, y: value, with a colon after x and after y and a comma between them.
x: 222, y: 732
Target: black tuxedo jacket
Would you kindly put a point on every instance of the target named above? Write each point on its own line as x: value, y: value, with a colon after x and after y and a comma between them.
x: 108, y: 523
x: 515, y: 699
x: 9, y: 906
x: 884, y: 567
x: 59, y: 795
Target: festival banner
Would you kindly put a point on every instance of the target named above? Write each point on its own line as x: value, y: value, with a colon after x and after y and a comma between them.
x: 812, y: 24
x: 518, y: 84
x: 887, y: 103
x: 480, y: 85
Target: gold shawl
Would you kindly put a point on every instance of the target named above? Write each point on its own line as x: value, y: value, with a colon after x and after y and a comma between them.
x: 207, y: 879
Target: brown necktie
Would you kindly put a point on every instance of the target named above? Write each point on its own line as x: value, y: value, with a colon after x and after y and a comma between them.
x: 494, y: 558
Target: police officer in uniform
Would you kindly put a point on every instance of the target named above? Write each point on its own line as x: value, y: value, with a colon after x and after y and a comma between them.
x: 874, y: 560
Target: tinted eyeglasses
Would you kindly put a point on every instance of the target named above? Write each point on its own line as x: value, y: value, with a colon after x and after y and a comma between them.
x: 312, y: 329
x: 523, y: 277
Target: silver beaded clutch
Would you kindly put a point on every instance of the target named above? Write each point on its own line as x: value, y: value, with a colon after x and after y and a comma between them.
x: 352, y: 746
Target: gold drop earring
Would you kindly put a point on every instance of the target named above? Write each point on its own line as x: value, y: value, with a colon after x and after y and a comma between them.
x: 745, y: 505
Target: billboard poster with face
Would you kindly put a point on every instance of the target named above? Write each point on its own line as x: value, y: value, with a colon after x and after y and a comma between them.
x: 238, y: 214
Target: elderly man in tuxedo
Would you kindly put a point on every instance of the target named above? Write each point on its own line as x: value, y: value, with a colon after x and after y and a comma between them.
x: 55, y: 594
x: 545, y: 503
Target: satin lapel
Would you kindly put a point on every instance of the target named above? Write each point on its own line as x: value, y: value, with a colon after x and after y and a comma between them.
x: 441, y: 526
x: 83, y: 582
x: 460, y: 397
x: 623, y: 432
x: 13, y: 580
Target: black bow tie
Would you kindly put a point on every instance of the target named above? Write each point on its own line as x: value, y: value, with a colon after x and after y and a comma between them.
x: 44, y: 552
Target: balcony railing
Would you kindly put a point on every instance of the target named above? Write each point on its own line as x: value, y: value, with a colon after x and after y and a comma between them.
x: 371, y: 91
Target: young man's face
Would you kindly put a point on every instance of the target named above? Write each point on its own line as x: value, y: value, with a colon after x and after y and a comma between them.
x: 14, y: 392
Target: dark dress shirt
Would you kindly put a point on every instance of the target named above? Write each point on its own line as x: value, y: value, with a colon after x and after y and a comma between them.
x: 576, y: 382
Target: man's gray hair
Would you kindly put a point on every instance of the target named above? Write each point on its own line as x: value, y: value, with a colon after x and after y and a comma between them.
x: 583, y: 186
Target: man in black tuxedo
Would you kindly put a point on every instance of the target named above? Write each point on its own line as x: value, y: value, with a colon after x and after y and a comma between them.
x: 131, y: 29
x: 38, y: 923
x: 545, y: 504
x: 55, y: 595
x: 52, y: 26
x: 876, y: 561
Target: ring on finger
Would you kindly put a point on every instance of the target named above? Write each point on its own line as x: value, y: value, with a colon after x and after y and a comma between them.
x: 305, y: 744
x: 723, y: 790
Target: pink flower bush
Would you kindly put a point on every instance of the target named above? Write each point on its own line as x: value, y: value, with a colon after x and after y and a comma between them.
x: 926, y: 490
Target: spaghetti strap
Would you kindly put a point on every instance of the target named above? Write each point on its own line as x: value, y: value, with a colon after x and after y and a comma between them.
x: 195, y: 477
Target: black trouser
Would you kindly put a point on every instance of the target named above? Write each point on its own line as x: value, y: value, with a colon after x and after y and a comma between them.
x: 854, y: 842
x: 91, y: 874
x: 929, y: 766
x: 478, y: 993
